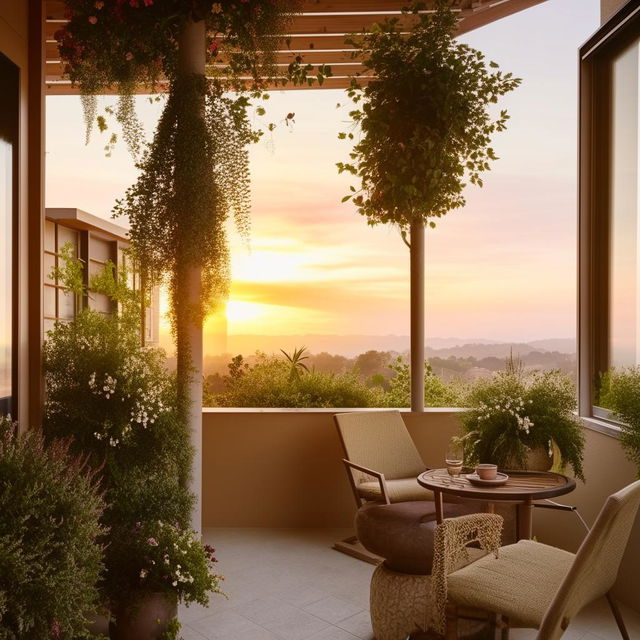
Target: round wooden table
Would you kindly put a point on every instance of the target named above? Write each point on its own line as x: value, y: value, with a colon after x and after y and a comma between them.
x: 522, y: 487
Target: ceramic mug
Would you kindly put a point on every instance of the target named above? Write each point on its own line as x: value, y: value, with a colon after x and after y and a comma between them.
x: 487, y: 471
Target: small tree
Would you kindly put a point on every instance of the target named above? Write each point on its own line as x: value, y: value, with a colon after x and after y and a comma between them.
x: 426, y: 127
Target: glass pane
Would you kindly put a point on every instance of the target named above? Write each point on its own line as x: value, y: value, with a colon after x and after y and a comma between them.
x: 49, y: 302
x: 99, y: 302
x: 624, y: 301
x: 66, y: 305
x: 66, y: 236
x: 48, y: 264
x: 6, y: 270
x: 48, y: 326
x: 100, y: 249
x: 49, y: 236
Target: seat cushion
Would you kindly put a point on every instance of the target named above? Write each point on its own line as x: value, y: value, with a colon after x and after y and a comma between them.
x: 399, y: 490
x: 520, y: 583
x: 402, y: 533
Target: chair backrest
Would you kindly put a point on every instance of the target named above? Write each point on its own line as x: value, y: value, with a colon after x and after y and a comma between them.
x: 380, y: 441
x: 596, y: 565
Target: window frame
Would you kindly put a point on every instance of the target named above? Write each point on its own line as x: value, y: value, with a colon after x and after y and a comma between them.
x: 10, y: 123
x: 595, y: 58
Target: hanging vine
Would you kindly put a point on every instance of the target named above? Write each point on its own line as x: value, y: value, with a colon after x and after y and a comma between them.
x: 178, y: 209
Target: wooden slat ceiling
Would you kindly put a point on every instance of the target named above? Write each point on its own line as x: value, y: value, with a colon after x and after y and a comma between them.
x: 317, y: 33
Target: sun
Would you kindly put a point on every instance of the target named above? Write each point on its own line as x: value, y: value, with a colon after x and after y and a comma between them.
x: 239, y: 311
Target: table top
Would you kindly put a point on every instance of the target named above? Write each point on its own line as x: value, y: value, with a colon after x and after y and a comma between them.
x: 521, y: 485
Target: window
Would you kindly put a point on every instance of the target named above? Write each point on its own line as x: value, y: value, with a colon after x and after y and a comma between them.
x: 58, y: 304
x: 8, y: 233
x: 609, y: 203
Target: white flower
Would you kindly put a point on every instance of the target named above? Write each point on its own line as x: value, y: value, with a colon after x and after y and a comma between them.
x: 143, y: 573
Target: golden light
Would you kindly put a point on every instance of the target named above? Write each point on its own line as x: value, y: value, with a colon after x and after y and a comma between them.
x: 239, y: 311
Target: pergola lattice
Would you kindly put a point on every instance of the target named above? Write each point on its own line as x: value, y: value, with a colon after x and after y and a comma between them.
x: 317, y: 33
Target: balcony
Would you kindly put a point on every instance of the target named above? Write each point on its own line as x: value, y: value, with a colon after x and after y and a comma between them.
x: 276, y: 497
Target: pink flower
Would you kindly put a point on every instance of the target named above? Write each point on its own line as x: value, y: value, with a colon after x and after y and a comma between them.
x: 129, y: 56
x: 93, y: 19
x: 152, y: 542
x: 56, y: 629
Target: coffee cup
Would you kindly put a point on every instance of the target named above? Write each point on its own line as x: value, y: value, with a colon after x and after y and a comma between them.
x: 487, y: 471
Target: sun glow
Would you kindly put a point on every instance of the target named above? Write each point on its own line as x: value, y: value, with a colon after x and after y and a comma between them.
x: 239, y: 311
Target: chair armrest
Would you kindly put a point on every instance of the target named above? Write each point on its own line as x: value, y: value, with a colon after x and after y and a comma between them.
x: 376, y: 474
x: 452, y: 537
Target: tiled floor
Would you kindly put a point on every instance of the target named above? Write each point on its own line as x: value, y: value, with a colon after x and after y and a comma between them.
x: 286, y: 584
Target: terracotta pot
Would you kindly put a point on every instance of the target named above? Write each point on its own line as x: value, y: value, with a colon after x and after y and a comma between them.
x: 537, y: 460
x: 145, y: 617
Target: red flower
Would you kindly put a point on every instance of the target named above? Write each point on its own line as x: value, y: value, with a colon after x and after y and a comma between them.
x: 148, y: 3
x: 134, y: 3
x: 213, y: 47
x: 93, y: 19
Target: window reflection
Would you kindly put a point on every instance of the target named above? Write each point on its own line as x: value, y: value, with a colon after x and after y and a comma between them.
x: 624, y: 235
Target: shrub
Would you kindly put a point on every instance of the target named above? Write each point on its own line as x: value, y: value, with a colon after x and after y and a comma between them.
x: 155, y: 556
x: 620, y: 392
x: 514, y: 412
x: 269, y: 383
x: 437, y: 393
x: 50, y: 561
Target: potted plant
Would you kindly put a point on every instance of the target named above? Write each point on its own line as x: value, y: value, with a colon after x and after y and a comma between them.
x: 157, y: 565
x: 50, y: 557
x: 515, y: 414
x: 620, y: 392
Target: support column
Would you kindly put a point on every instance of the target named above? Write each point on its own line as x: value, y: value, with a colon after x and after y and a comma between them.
x: 417, y: 316
x: 191, y: 60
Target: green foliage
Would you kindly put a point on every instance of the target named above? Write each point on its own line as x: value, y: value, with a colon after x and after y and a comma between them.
x: 50, y: 560
x: 269, y: 384
x: 425, y: 120
x: 156, y: 556
x: 295, y: 360
x: 514, y: 412
x: 436, y: 392
x: 620, y: 392
x: 116, y: 399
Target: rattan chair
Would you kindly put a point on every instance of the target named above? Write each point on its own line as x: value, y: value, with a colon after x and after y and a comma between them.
x: 529, y: 584
x: 381, y: 459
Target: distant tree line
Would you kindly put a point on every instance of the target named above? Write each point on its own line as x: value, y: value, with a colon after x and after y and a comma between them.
x: 371, y: 379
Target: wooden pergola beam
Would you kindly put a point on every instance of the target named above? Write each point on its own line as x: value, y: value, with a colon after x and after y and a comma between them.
x: 317, y: 33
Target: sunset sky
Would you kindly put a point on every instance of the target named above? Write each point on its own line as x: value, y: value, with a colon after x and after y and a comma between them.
x: 503, y: 268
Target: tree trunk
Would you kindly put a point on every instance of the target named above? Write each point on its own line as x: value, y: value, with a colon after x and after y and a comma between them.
x: 187, y: 286
x: 416, y: 259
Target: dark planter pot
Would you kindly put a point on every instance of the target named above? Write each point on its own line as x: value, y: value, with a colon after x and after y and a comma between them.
x: 145, y: 617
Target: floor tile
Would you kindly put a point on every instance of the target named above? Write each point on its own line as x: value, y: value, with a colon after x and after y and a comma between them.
x: 333, y: 609
x: 290, y: 585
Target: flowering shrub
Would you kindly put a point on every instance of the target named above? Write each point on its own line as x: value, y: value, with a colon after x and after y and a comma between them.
x: 155, y: 556
x: 50, y: 560
x: 514, y: 412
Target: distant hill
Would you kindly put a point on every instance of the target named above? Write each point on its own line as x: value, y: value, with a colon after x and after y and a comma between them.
x: 353, y: 345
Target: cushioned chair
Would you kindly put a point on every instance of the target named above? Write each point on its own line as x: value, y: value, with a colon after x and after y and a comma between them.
x: 381, y: 459
x: 529, y: 584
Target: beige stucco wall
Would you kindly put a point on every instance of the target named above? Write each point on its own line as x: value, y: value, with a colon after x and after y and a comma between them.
x: 608, y: 8
x: 282, y: 469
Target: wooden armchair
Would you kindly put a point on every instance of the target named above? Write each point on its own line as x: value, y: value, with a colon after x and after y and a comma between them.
x: 529, y: 584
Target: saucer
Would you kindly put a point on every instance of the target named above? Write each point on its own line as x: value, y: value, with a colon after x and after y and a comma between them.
x: 474, y: 478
